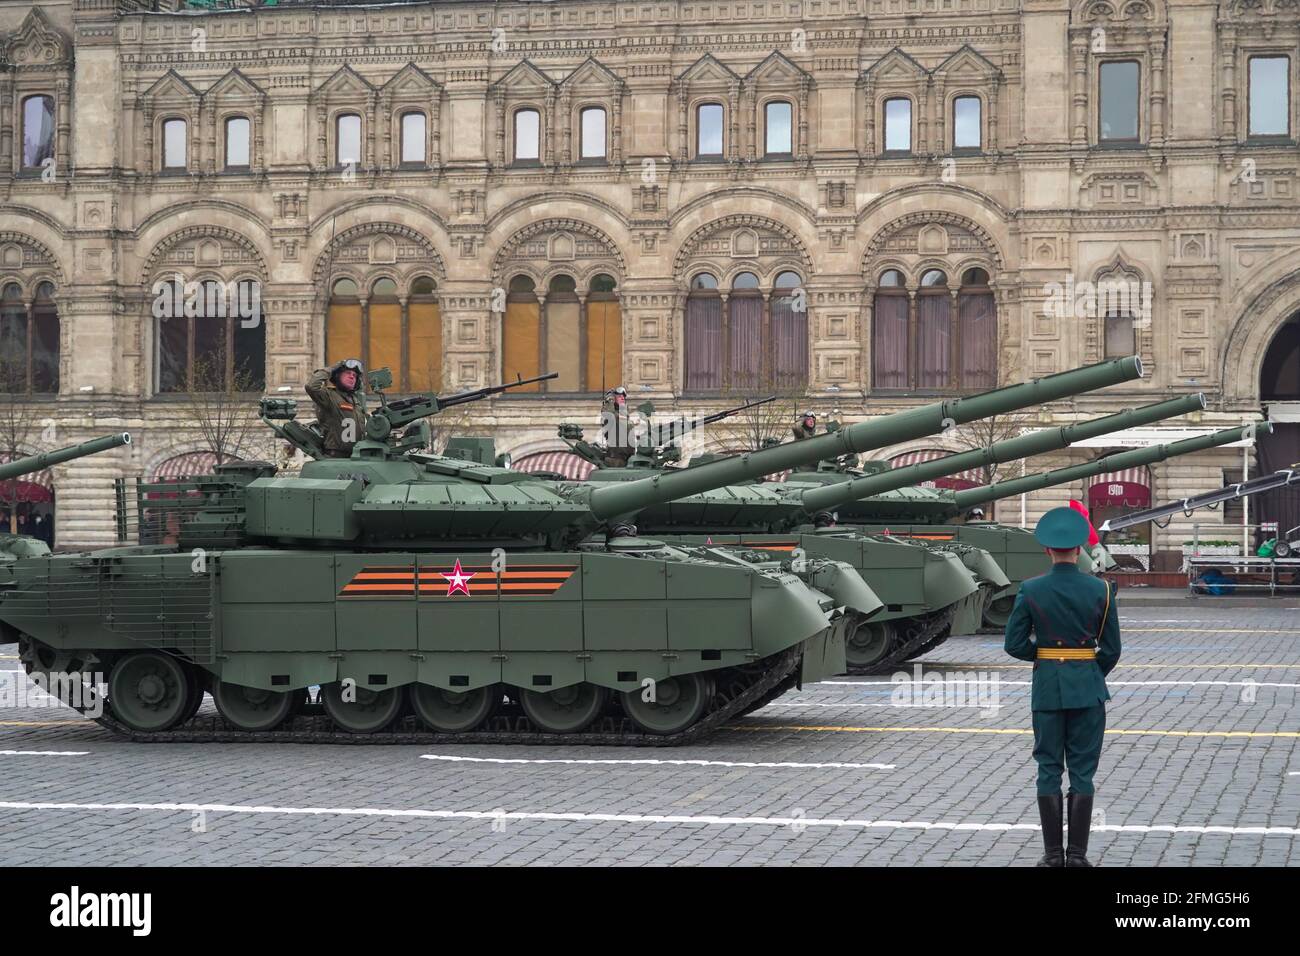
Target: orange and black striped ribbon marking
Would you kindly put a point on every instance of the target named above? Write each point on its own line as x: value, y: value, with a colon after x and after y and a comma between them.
x: 529, y: 580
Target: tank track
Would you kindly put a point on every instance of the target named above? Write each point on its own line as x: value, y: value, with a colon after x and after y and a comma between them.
x: 925, y: 632
x: 740, y: 690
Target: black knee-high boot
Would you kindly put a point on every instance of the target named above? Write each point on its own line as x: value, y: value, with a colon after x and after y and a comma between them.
x: 1049, y: 813
x: 1080, y: 822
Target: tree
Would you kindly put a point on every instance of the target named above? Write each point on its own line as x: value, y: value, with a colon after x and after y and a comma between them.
x: 225, y: 414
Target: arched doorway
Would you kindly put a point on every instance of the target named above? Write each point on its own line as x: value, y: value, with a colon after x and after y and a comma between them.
x: 1279, y: 391
x: 27, y: 505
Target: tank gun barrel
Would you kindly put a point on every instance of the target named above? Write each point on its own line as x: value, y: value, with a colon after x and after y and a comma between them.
x: 1022, y: 446
x: 1117, y: 462
x: 35, y: 463
x: 628, y: 497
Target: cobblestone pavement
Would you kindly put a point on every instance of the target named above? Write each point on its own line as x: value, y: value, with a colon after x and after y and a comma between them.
x: 1201, y: 767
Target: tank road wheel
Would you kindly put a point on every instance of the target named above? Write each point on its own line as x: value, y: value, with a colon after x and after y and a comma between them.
x: 252, y: 709
x: 450, y: 712
x: 564, y: 711
x: 869, y: 644
x: 149, y: 691
x: 198, y: 686
x: 369, y: 712
x: 999, y: 612
x: 678, y: 703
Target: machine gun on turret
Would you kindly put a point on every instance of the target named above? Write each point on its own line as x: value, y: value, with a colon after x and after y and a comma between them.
x: 279, y: 415
x: 653, y: 445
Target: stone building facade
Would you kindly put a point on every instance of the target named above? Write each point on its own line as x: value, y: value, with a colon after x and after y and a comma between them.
x: 867, y: 203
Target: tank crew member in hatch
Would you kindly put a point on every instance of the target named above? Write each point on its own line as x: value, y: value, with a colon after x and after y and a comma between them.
x: 340, y: 405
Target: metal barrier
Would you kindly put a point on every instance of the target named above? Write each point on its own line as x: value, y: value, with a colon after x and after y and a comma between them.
x: 1245, y: 573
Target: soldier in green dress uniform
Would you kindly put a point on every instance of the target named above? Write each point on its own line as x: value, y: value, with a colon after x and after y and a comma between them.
x: 1075, y: 642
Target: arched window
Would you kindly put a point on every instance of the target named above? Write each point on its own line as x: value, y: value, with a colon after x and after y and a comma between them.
x: 528, y: 136
x: 977, y: 331
x: 593, y: 134
x: 898, y: 125
x: 237, y: 143
x: 934, y: 341
x: 38, y: 131
x: 210, y: 337
x: 604, y: 335
x: 175, y: 144
x: 29, y: 341
x: 521, y: 333
x: 746, y: 339
x: 890, y: 324
x: 1121, y: 338
x: 702, y: 354
x: 778, y: 119
x: 966, y: 127
x: 382, y: 331
x: 921, y: 342
x: 708, y: 131
x: 347, y: 139
x: 414, y: 138
x: 743, y: 331
x: 789, y: 332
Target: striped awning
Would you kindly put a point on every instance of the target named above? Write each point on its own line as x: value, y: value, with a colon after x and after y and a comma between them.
x: 971, y: 478
x: 1135, y: 476
x: 564, y: 463
x: 185, y: 466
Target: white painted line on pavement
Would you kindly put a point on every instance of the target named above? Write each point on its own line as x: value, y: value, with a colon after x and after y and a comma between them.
x: 1109, y: 683
x: 794, y: 822
x: 854, y: 703
x: 43, y: 753
x: 650, y: 763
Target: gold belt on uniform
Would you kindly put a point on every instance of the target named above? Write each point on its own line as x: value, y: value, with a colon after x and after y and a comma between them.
x: 1067, y: 653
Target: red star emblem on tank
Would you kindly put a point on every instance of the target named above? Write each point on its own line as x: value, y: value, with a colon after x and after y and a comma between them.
x: 457, y: 581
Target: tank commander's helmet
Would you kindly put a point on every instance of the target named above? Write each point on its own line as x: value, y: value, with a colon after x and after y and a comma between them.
x: 617, y: 396
x: 349, y: 364
x: 808, y: 419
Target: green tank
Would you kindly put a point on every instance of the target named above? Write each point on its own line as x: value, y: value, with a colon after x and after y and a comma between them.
x: 14, y: 546
x: 437, y: 598
x: 930, y: 592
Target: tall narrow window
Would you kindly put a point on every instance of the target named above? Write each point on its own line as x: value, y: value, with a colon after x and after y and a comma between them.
x: 248, y: 361
x: 343, y: 323
x: 528, y: 127
x: 934, y: 341
x: 1119, y: 101
x: 889, y: 331
x: 708, y: 130
x: 898, y: 126
x: 384, y: 330
x: 414, y: 138
x: 38, y: 131
x: 521, y: 334
x: 563, y: 339
x: 789, y: 332
x: 703, y: 346
x: 966, y: 131
x: 977, y: 332
x: 174, y: 144
x: 237, y: 152
x: 593, y: 134
x: 604, y: 331
x: 744, y: 334
x: 347, y: 144
x: 1121, y: 338
x: 778, y: 117
x: 1270, y: 96
x: 13, y: 341
x: 424, y: 361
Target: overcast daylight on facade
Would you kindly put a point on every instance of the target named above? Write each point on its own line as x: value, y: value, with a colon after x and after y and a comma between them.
x: 858, y: 205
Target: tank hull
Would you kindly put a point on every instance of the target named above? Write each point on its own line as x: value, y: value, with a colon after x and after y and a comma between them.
x: 272, y: 622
